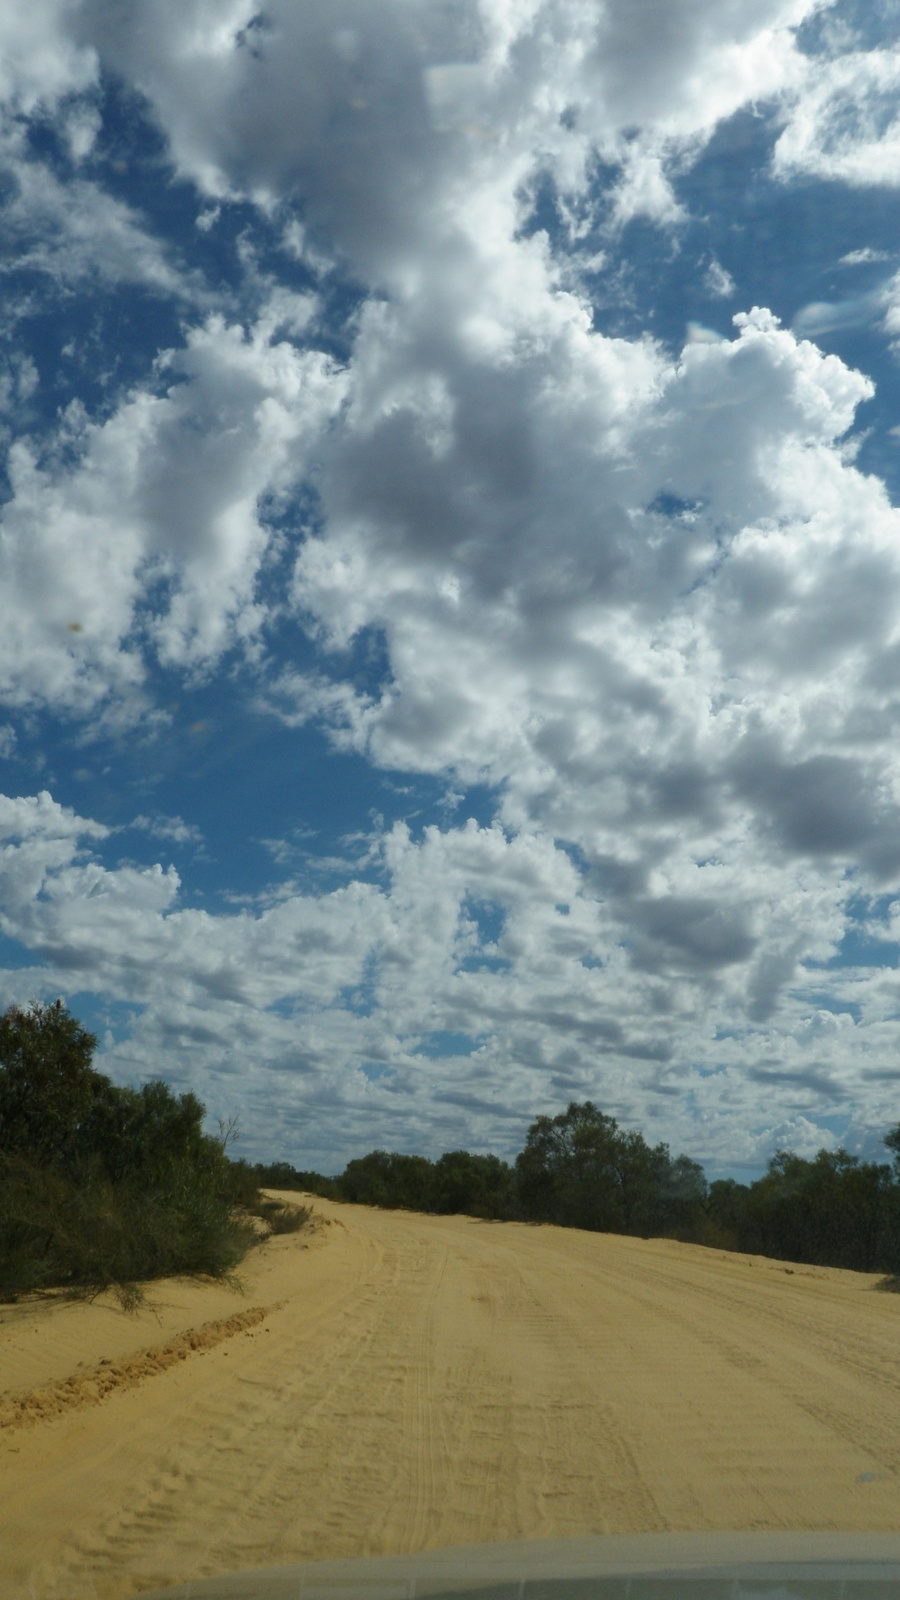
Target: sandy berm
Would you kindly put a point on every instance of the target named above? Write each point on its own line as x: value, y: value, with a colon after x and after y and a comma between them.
x: 393, y: 1383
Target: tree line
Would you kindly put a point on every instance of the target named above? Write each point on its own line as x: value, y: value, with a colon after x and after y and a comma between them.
x: 581, y: 1170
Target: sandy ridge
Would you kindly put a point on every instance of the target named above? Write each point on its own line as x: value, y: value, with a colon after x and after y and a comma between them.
x: 93, y: 1386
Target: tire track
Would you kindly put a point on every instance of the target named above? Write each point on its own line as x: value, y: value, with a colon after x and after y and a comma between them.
x: 95, y: 1384
x: 428, y: 1381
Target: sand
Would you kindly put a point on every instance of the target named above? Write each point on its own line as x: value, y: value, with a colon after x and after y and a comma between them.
x: 397, y: 1383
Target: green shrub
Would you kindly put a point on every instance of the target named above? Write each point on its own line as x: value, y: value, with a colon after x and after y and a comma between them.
x: 105, y: 1187
x: 92, y: 1234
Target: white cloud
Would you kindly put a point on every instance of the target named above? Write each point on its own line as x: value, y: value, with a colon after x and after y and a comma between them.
x: 74, y: 230
x: 858, y: 258
x: 891, y: 304
x: 40, y: 60
x: 718, y: 281
x: 174, y: 828
x: 645, y: 191
x: 826, y: 316
x: 696, y: 333
x: 445, y: 546
x: 649, y: 597
x: 845, y: 123
x: 154, y: 538
x: 493, y: 942
x: 436, y: 104
x: 688, y: 688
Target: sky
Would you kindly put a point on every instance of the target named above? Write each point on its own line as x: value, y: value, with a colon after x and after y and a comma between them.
x: 450, y: 563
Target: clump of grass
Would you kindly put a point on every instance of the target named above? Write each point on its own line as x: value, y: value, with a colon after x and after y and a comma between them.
x: 281, y: 1217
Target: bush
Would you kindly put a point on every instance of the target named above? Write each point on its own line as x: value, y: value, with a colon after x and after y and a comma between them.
x: 102, y: 1186
x: 95, y: 1234
x: 474, y: 1186
x: 386, y: 1178
x: 579, y: 1169
x: 834, y: 1210
x: 282, y: 1218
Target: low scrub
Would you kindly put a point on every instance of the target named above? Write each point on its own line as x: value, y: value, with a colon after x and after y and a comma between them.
x: 581, y: 1170
x: 281, y: 1217
x: 104, y: 1187
x: 87, y: 1233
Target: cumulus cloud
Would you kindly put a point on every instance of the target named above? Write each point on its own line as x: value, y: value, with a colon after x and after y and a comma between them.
x: 474, y: 979
x: 682, y: 503
x: 429, y: 101
x: 645, y: 594
x: 673, y: 658
x: 163, y: 497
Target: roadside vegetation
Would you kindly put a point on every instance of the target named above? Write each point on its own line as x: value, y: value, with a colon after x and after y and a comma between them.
x: 581, y: 1170
x: 107, y: 1187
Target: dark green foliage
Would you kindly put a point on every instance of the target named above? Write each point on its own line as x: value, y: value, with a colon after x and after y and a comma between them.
x: 281, y: 1175
x: 470, y: 1185
x: 100, y: 1185
x: 385, y: 1178
x: 144, y: 1130
x: 47, y: 1083
x: 725, y: 1208
x: 834, y: 1211
x: 566, y: 1172
x: 474, y: 1186
x: 242, y: 1184
x: 580, y: 1170
x: 94, y: 1234
x: 683, y: 1200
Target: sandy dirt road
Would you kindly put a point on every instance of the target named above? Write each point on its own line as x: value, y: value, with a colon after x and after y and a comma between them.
x: 399, y: 1383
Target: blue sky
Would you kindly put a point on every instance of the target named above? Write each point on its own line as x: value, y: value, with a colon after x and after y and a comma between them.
x: 450, y: 562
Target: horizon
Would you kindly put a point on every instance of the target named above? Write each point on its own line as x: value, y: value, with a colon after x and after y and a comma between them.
x: 450, y: 564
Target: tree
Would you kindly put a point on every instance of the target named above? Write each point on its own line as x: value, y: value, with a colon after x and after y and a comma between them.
x: 581, y: 1170
x: 146, y: 1132
x: 684, y: 1196
x: 834, y: 1210
x: 47, y: 1083
x: 727, y: 1210
x: 387, y: 1178
x: 570, y: 1170
x: 473, y: 1185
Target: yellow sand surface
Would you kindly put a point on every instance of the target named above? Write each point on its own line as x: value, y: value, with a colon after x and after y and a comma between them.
x: 395, y: 1383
